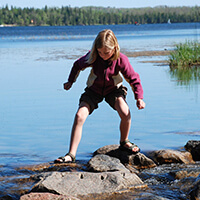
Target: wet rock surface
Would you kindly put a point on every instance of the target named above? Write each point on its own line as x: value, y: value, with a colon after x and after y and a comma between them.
x: 171, y: 156
x: 110, y: 174
x: 46, y: 196
x: 193, y: 147
x: 174, y: 181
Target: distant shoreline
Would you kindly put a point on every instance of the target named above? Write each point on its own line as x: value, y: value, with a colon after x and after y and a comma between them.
x: 92, y: 15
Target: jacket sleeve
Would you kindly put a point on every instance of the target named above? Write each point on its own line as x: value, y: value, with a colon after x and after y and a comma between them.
x: 131, y: 76
x: 79, y: 65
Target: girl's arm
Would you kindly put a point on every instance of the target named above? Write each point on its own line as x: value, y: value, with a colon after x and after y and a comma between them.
x: 67, y: 85
x: 131, y: 76
x: 140, y: 104
x: 79, y: 65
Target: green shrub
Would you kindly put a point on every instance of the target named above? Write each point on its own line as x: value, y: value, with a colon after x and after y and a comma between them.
x: 185, y: 55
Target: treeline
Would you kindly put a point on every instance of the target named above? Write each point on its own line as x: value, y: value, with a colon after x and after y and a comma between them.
x: 96, y: 15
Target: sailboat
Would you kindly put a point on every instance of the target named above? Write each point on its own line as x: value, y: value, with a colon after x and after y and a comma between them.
x: 169, y: 22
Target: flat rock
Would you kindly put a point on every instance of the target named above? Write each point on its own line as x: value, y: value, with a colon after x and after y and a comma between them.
x: 46, y: 196
x: 84, y: 183
x: 104, y: 163
x: 139, y: 160
x: 171, y: 156
x: 193, y: 146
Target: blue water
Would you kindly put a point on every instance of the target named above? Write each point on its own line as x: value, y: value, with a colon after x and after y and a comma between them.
x: 37, y: 114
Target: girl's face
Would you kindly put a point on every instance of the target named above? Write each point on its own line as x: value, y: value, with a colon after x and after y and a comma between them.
x: 105, y: 53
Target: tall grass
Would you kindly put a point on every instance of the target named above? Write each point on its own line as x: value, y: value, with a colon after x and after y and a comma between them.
x: 185, y: 55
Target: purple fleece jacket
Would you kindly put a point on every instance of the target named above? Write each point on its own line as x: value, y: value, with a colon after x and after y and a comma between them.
x: 106, y: 76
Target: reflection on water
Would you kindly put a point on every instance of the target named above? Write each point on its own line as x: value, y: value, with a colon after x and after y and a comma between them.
x: 185, y: 75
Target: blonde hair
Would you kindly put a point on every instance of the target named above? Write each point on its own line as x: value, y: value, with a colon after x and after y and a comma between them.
x: 105, y: 38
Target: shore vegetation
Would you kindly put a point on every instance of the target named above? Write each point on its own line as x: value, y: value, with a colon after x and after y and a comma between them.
x: 185, y: 55
x: 184, y: 62
x: 69, y: 16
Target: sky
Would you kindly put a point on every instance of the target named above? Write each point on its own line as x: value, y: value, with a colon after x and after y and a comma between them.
x: 104, y: 3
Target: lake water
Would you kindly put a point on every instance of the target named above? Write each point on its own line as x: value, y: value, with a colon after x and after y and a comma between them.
x: 37, y: 114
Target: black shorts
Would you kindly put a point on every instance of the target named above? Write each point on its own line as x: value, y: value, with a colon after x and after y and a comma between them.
x: 93, y: 99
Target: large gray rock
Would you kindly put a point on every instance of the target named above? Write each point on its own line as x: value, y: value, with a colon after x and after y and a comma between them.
x: 84, y: 183
x: 104, y: 163
x: 193, y: 146
x: 139, y: 160
x: 172, y: 156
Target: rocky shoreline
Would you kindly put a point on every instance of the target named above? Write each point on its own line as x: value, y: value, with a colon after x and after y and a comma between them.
x: 115, y: 174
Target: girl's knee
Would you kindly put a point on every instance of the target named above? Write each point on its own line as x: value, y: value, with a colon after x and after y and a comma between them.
x: 79, y: 119
x: 126, y: 116
x: 123, y: 109
x: 81, y: 116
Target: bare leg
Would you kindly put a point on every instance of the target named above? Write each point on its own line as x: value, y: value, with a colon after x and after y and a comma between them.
x: 79, y: 120
x: 125, y: 124
x: 76, y: 133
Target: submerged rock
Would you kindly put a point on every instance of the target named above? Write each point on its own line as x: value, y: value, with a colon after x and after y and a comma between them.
x: 176, y: 177
x: 190, y: 186
x: 149, y: 196
x: 46, y: 196
x: 84, y: 183
x: 194, y: 192
x: 185, y: 174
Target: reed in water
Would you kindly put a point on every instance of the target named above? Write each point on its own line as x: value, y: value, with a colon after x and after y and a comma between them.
x: 185, y: 55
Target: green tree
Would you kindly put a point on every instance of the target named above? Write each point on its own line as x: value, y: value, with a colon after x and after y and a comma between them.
x: 96, y: 15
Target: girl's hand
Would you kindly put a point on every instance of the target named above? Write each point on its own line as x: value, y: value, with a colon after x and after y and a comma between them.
x: 67, y: 85
x: 140, y: 104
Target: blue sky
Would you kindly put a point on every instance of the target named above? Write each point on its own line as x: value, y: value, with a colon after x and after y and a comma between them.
x: 104, y: 3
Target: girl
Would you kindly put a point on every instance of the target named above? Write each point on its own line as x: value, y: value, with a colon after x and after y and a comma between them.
x: 104, y: 82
